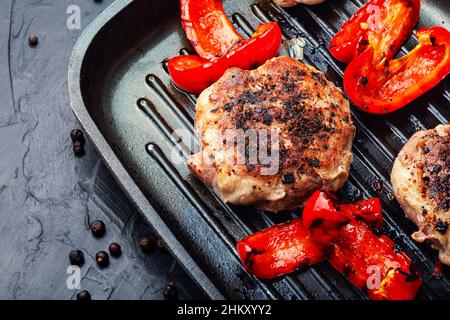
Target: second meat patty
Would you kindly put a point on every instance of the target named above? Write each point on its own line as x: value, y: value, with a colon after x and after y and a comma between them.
x: 421, y: 181
x: 272, y: 136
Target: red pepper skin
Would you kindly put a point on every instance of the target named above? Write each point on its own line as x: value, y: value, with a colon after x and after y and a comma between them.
x: 358, y: 249
x: 381, y: 24
x: 390, y: 85
x: 369, y: 210
x: 193, y: 74
x: 207, y: 27
x: 323, y: 215
x: 279, y: 250
x: 321, y: 218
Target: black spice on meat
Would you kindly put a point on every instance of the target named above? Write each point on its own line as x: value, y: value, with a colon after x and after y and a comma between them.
x: 442, y: 226
x: 287, y: 178
x: 436, y: 175
x: 228, y: 107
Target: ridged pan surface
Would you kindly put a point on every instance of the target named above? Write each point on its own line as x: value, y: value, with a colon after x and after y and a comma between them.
x: 128, y: 94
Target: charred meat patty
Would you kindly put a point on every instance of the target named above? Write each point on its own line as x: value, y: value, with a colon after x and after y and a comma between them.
x: 421, y: 181
x: 284, y: 109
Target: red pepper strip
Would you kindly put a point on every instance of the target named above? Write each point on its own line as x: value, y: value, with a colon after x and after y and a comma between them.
x: 323, y: 215
x: 279, y: 250
x: 369, y: 210
x: 321, y: 218
x: 390, y: 85
x: 193, y: 74
x: 370, y: 263
x: 208, y: 28
x: 381, y: 24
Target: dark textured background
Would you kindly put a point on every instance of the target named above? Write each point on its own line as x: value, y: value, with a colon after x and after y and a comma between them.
x: 48, y: 196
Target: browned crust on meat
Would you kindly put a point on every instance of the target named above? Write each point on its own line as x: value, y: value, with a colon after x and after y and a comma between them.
x: 310, y: 113
x: 435, y: 170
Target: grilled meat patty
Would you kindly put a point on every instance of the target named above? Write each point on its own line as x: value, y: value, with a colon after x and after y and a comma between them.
x: 421, y: 181
x: 309, y: 135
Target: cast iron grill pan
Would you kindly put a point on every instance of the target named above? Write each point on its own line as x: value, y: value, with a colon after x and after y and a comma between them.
x: 128, y: 95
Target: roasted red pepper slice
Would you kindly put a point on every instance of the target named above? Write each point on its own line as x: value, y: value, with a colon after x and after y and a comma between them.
x: 208, y: 28
x: 371, y: 264
x: 279, y: 250
x: 323, y: 215
x: 381, y: 24
x: 390, y: 85
x: 194, y: 74
x: 321, y: 218
x: 369, y: 210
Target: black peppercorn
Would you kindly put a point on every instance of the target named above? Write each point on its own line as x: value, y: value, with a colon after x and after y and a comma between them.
x: 33, y: 40
x: 77, y: 135
x: 84, y: 296
x: 170, y: 291
x: 76, y: 258
x: 115, y: 249
x: 441, y: 227
x: 78, y: 149
x: 287, y: 178
x: 98, y: 228
x: 102, y: 259
x: 146, y: 244
x: 267, y: 119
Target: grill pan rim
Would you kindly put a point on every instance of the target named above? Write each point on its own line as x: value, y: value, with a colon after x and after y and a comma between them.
x: 112, y: 161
